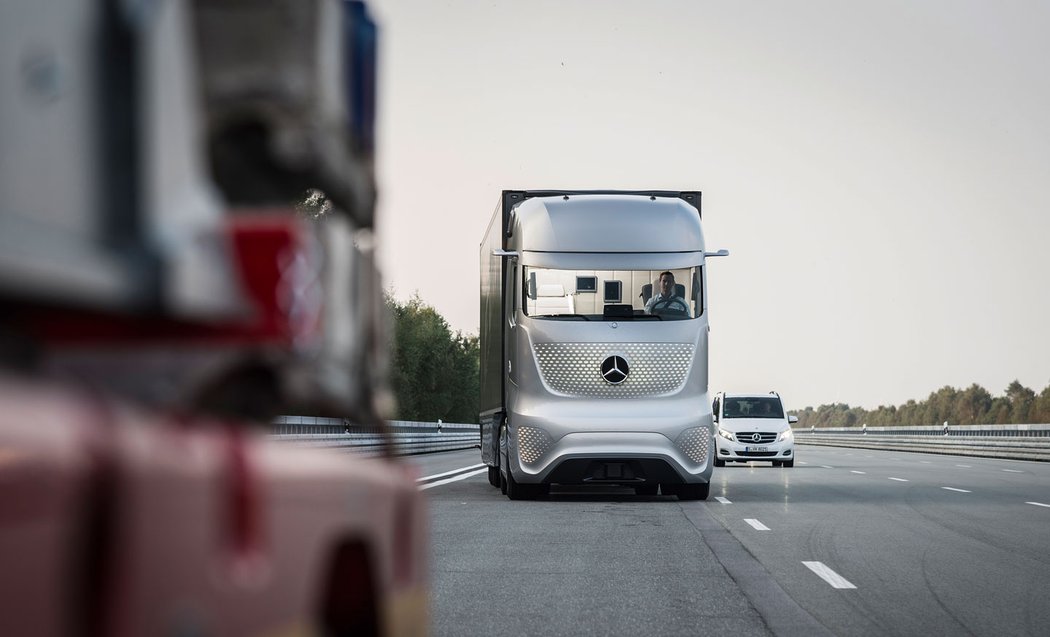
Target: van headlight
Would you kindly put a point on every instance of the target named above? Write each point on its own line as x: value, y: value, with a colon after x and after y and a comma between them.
x: 728, y: 435
x: 787, y: 436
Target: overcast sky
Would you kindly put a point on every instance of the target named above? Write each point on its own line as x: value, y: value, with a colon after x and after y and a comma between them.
x: 880, y: 171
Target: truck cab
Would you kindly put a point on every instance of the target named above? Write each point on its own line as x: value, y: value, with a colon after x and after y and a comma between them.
x: 594, y: 343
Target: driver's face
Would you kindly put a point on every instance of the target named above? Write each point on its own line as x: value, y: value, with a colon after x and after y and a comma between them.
x: 666, y: 285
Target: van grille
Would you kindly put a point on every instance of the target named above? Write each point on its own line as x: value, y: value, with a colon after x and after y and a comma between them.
x: 764, y: 437
x: 574, y: 369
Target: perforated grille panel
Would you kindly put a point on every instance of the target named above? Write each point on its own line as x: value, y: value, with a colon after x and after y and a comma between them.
x: 532, y: 444
x: 574, y: 369
x: 694, y: 443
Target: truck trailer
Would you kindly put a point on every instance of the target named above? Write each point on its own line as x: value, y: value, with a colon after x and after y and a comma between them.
x: 594, y: 332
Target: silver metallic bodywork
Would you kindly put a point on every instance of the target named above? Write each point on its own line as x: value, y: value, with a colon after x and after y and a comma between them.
x: 543, y: 393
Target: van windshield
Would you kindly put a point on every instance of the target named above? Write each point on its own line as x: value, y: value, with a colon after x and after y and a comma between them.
x: 597, y: 295
x: 753, y: 407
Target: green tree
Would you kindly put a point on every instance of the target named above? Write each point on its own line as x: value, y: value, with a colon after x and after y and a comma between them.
x: 1022, y: 402
x: 435, y: 371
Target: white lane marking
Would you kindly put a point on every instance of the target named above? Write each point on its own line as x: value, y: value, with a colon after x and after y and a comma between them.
x: 756, y: 525
x: 722, y: 500
x: 828, y: 575
x: 899, y: 479
x: 858, y: 472
x: 448, y: 473
x: 925, y: 461
x: 1039, y: 504
x: 956, y: 490
x: 964, y: 466
x: 1012, y: 471
x: 827, y: 466
x: 424, y: 487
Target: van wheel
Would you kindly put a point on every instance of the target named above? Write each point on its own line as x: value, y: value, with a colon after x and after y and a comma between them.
x: 719, y: 462
x: 789, y: 463
x: 693, y: 491
x: 494, y: 476
x: 777, y: 463
x: 646, y: 489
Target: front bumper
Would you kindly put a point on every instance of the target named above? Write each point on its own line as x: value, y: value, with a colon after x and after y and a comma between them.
x: 629, y: 458
x: 734, y: 451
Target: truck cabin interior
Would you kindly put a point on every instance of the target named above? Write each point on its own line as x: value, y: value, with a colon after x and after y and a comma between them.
x: 610, y: 294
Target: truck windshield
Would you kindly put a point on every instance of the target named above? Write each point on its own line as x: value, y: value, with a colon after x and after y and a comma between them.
x: 596, y: 295
x: 753, y: 407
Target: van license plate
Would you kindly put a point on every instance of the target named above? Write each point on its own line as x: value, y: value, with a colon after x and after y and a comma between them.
x: 756, y: 448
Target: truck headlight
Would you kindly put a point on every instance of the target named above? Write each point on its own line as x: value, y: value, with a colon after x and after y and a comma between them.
x: 787, y: 436
x: 728, y: 435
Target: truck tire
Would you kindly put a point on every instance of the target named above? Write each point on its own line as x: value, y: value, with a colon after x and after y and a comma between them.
x: 692, y: 491
x: 519, y: 491
x: 494, y: 476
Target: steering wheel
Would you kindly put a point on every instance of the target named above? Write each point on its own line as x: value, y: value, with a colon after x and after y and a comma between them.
x: 673, y: 307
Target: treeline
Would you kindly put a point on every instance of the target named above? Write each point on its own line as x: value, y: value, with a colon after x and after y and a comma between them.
x: 971, y: 406
x: 434, y: 372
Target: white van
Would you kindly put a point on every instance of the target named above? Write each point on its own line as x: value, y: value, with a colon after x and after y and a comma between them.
x: 753, y: 427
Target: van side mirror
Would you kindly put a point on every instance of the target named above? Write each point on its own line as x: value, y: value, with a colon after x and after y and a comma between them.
x: 792, y: 420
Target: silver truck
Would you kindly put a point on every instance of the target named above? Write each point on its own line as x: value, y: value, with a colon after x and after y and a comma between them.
x: 594, y: 329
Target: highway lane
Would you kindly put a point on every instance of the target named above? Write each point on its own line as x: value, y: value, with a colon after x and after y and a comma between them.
x: 860, y: 542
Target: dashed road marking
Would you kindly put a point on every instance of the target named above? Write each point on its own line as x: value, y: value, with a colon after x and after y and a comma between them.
x: 858, y: 472
x: 964, y: 466
x: 1013, y: 471
x: 722, y: 500
x: 756, y: 525
x: 828, y: 575
x: 900, y: 479
x: 827, y: 466
x: 956, y: 490
x: 1039, y: 504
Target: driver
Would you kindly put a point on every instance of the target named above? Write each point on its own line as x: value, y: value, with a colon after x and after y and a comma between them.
x: 666, y: 299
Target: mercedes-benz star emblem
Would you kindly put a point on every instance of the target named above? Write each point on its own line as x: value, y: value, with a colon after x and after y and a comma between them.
x: 615, y: 370
x: 757, y: 437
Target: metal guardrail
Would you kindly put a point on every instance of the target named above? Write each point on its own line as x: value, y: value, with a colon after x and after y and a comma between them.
x: 407, y: 437
x: 1018, y: 442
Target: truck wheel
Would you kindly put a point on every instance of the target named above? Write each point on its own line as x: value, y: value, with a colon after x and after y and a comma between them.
x: 693, y: 491
x: 494, y: 476
x: 519, y: 491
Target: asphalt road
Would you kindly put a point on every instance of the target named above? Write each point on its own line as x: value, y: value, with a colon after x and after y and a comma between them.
x: 848, y: 542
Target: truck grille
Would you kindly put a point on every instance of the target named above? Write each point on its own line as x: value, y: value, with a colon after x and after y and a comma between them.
x: 574, y: 369
x: 748, y: 437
